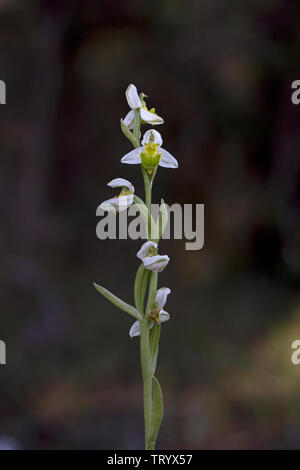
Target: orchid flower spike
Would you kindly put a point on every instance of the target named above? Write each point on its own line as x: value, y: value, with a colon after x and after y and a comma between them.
x: 135, y: 102
x: 156, y: 315
x: 151, y: 260
x: 150, y: 154
x: 121, y: 202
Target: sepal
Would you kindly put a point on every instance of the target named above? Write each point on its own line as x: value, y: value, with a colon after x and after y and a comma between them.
x: 127, y: 132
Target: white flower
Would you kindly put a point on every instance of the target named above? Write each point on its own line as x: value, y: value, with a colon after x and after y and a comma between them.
x: 161, y: 296
x: 156, y: 263
x: 151, y: 154
x: 153, y: 136
x: 143, y: 252
x: 151, y: 260
x: 135, y: 102
x: 121, y: 202
x: 135, y: 329
x: 157, y: 315
x: 120, y: 182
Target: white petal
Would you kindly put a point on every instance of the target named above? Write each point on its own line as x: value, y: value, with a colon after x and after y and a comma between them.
x: 161, y: 296
x: 156, y: 263
x: 107, y: 206
x: 156, y: 137
x: 151, y: 118
x: 129, y: 118
x: 119, y: 204
x: 120, y: 182
x: 163, y: 316
x: 167, y: 160
x: 144, y: 249
x: 133, y: 98
x: 135, y: 329
x: 124, y: 202
x: 133, y: 157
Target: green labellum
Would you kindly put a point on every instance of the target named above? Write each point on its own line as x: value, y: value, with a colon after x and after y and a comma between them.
x: 150, y: 161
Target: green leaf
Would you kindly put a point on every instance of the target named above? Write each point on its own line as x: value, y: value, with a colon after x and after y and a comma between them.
x: 144, y: 285
x: 142, y: 208
x: 130, y: 136
x: 163, y: 218
x: 152, y: 291
x: 154, y: 344
x: 140, y: 286
x: 157, y: 410
x: 161, y: 222
x: 118, y: 302
x: 147, y: 218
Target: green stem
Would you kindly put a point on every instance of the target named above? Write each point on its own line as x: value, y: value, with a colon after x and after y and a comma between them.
x: 154, y: 345
x: 148, y: 182
x: 147, y: 380
x: 152, y: 291
x: 148, y: 188
x: 149, y: 349
x: 144, y: 323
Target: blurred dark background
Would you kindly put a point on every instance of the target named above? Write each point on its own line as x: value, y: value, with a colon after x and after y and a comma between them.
x: 220, y: 74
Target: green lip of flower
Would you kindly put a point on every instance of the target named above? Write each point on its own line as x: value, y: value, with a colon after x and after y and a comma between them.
x: 149, y: 161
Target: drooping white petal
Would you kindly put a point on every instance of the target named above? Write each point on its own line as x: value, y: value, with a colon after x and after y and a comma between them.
x: 117, y: 204
x: 129, y: 119
x: 107, y: 206
x: 156, y: 263
x: 124, y: 202
x: 163, y: 316
x: 167, y: 160
x: 151, y: 118
x: 161, y: 296
x: 152, y: 135
x: 120, y: 182
x: 133, y: 98
x: 133, y: 157
x: 135, y: 329
x: 143, y: 252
